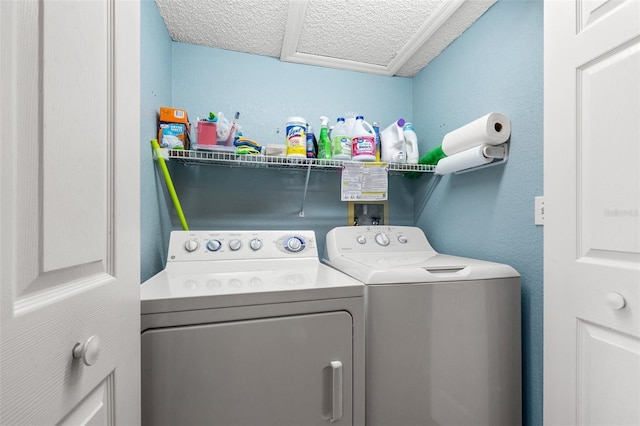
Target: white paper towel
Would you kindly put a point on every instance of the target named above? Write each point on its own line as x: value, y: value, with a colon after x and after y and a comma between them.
x: 492, y: 129
x: 463, y: 160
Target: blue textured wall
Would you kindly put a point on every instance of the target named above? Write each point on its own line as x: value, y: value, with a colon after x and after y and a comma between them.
x: 155, y: 91
x: 265, y: 91
x: 496, y: 65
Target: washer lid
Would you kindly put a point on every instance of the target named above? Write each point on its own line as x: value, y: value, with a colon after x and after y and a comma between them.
x: 430, y: 267
x: 401, y: 254
x: 206, y: 285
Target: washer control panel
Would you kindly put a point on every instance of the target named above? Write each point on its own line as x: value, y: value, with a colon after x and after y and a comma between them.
x: 376, y: 239
x: 238, y: 245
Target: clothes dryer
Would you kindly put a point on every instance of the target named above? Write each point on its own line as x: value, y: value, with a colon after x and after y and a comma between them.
x: 249, y: 328
x: 442, y: 332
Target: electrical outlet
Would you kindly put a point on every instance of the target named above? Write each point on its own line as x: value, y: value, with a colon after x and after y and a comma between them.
x: 539, y: 211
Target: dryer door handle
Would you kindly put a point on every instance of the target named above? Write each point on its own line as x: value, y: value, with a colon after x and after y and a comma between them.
x: 336, y: 391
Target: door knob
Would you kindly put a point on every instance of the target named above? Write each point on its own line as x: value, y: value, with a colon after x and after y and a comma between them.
x: 615, y: 300
x: 88, y: 351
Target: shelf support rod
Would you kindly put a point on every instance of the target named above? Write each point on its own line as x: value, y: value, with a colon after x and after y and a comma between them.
x: 306, y: 186
x: 432, y: 186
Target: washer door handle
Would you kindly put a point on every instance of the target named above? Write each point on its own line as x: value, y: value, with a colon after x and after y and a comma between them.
x: 336, y: 391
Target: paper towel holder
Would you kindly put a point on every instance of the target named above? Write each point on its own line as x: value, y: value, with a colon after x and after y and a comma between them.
x: 499, y: 154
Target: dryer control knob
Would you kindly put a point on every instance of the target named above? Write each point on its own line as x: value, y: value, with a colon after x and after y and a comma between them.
x: 255, y: 244
x: 402, y: 239
x: 361, y: 239
x: 191, y: 245
x: 294, y: 244
x: 214, y: 245
x: 382, y: 239
x: 235, y: 244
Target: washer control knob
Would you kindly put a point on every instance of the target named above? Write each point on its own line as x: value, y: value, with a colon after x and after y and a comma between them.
x: 214, y: 245
x: 402, y: 239
x: 361, y: 239
x: 382, y: 239
x: 191, y: 245
x: 235, y: 244
x: 255, y: 244
x: 294, y: 244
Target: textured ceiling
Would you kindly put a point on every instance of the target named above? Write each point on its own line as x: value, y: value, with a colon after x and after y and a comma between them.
x: 388, y: 37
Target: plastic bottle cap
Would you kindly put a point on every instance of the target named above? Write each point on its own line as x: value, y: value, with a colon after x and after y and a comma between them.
x: 401, y: 122
x: 297, y: 120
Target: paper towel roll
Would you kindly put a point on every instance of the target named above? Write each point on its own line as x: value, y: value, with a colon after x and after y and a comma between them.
x: 463, y: 160
x: 492, y: 129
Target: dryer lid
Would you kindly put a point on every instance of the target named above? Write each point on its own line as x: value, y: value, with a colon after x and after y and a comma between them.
x: 185, y: 287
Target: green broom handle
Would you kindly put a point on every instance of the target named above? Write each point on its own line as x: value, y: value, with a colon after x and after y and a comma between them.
x: 167, y: 179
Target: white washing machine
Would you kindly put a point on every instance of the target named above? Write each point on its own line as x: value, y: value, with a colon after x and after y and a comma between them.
x: 249, y: 328
x: 442, y: 332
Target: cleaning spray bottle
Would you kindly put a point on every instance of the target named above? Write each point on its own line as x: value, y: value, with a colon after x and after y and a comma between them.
x: 324, y: 144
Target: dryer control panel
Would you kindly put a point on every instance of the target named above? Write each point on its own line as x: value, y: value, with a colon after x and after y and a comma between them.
x: 240, y: 245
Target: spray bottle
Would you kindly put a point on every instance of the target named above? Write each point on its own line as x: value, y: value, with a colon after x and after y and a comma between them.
x: 324, y: 144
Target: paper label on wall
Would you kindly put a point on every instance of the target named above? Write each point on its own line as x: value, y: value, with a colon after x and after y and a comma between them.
x: 364, y: 181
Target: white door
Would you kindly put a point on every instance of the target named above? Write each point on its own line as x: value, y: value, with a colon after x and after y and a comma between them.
x: 69, y: 212
x: 592, y: 219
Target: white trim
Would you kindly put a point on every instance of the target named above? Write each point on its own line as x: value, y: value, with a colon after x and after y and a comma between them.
x: 295, y: 22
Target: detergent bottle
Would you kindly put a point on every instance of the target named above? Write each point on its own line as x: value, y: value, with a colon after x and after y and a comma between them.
x: 393, y: 144
x: 411, y: 143
x: 341, y: 141
x: 363, y: 141
x: 376, y: 131
x: 324, y: 144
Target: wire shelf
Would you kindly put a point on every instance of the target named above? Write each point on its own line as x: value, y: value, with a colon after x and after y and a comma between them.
x: 264, y: 161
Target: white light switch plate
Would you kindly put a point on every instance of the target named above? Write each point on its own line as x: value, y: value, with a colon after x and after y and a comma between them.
x: 539, y: 211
